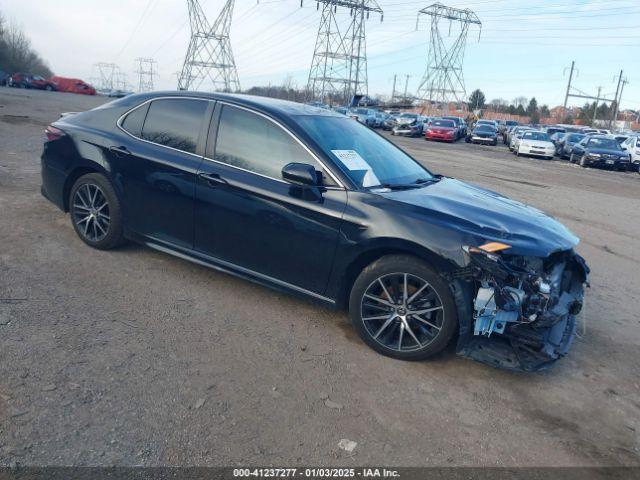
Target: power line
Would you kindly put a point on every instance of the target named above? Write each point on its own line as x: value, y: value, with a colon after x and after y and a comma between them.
x: 135, y: 29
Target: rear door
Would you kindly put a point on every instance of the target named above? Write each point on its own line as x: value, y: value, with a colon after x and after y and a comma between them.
x: 247, y: 215
x: 157, y: 164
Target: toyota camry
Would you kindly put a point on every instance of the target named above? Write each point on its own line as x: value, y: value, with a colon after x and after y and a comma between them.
x: 308, y: 201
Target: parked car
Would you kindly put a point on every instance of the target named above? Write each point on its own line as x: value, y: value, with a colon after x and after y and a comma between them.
x: 553, y: 130
x: 4, y: 78
x: 461, y: 126
x: 340, y: 110
x: 366, y: 116
x: 118, y: 93
x: 491, y: 123
x: 536, y: 144
x: 483, y: 134
x: 632, y: 146
x: 514, y: 131
x: 401, y: 118
x: 380, y: 117
x: 505, y: 125
x: 310, y: 202
x: 441, y: 129
x: 18, y: 80
x: 565, y: 145
x: 507, y: 133
x: 600, y: 151
x: 556, y: 139
x: 413, y: 128
x: 73, y: 85
x: 517, y: 135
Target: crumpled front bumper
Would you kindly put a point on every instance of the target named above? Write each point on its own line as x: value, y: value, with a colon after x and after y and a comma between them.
x: 521, y: 343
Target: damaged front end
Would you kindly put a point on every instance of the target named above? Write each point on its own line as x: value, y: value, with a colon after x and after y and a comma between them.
x: 524, y: 309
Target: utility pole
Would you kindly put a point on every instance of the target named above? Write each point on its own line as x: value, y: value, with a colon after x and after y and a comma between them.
x: 209, y: 56
x: 613, y: 114
x: 339, y: 65
x: 617, y: 107
x: 406, y: 84
x: 443, y: 80
x: 393, y: 91
x: 566, y: 97
x: 145, y: 71
x: 595, y: 110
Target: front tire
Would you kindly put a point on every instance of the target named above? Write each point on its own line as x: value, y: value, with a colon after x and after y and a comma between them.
x: 95, y: 212
x: 402, y: 308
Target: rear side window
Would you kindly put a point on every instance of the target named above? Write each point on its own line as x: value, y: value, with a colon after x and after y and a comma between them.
x: 133, y: 122
x: 256, y: 144
x: 175, y: 123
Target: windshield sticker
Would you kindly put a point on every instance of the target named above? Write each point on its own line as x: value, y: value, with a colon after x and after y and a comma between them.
x: 354, y: 162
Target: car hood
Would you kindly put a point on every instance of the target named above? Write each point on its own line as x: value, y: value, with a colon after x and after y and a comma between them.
x: 469, y: 209
x: 537, y: 143
x: 484, y: 134
x: 606, y: 151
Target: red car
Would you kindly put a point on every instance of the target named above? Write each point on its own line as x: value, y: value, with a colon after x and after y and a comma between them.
x: 439, y: 129
x: 23, y: 80
x: 73, y: 85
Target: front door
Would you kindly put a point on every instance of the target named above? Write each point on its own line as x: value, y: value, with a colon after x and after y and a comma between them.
x: 248, y: 216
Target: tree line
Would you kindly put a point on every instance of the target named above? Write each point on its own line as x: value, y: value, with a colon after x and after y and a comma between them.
x: 16, y: 53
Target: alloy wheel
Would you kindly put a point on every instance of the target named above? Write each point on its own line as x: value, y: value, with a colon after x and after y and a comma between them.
x: 91, y: 212
x: 402, y: 312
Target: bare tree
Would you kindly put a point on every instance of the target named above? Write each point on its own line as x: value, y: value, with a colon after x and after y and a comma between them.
x: 16, y: 53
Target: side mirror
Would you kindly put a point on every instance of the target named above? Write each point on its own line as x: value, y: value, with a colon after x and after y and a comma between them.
x: 300, y: 173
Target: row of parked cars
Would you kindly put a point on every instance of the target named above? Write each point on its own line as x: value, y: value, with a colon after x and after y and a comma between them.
x: 587, y: 147
x: 38, y: 82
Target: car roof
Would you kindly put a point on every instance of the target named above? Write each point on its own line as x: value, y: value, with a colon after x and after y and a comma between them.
x: 272, y: 106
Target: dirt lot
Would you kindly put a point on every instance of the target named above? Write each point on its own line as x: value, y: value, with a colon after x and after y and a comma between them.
x: 135, y: 357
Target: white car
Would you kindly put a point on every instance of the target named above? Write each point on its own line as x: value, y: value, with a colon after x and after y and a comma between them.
x: 537, y: 144
x: 516, y: 136
x: 632, y: 146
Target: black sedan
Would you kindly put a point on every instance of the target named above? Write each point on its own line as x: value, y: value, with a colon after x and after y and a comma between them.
x: 483, y: 134
x: 308, y: 201
x: 600, y: 151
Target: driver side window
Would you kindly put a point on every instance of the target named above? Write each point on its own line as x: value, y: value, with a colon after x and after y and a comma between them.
x: 254, y: 143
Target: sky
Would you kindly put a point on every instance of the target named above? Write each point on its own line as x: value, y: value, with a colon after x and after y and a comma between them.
x: 524, y: 49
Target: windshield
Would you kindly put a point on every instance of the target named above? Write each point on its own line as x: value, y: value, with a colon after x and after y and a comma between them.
x: 484, y: 128
x: 364, y: 156
x: 443, y: 123
x: 408, y: 115
x: 608, y: 143
x: 536, y: 136
x: 575, y: 137
x: 511, y: 123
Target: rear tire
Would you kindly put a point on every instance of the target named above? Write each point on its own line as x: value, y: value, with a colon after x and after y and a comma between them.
x: 95, y: 212
x: 383, y: 298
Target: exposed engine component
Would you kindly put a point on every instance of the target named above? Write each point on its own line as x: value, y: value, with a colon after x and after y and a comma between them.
x: 524, y: 309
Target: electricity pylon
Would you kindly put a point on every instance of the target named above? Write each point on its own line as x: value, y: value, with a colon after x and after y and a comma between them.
x: 109, y: 76
x: 145, y: 71
x: 339, y: 65
x: 209, y: 56
x: 443, y: 80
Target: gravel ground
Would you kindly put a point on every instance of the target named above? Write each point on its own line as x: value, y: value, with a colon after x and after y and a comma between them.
x: 134, y: 357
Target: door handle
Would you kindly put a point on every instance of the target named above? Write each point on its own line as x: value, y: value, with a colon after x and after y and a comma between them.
x: 212, y: 179
x: 119, y: 150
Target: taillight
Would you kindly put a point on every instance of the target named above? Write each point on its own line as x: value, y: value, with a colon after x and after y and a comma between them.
x: 53, y: 133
